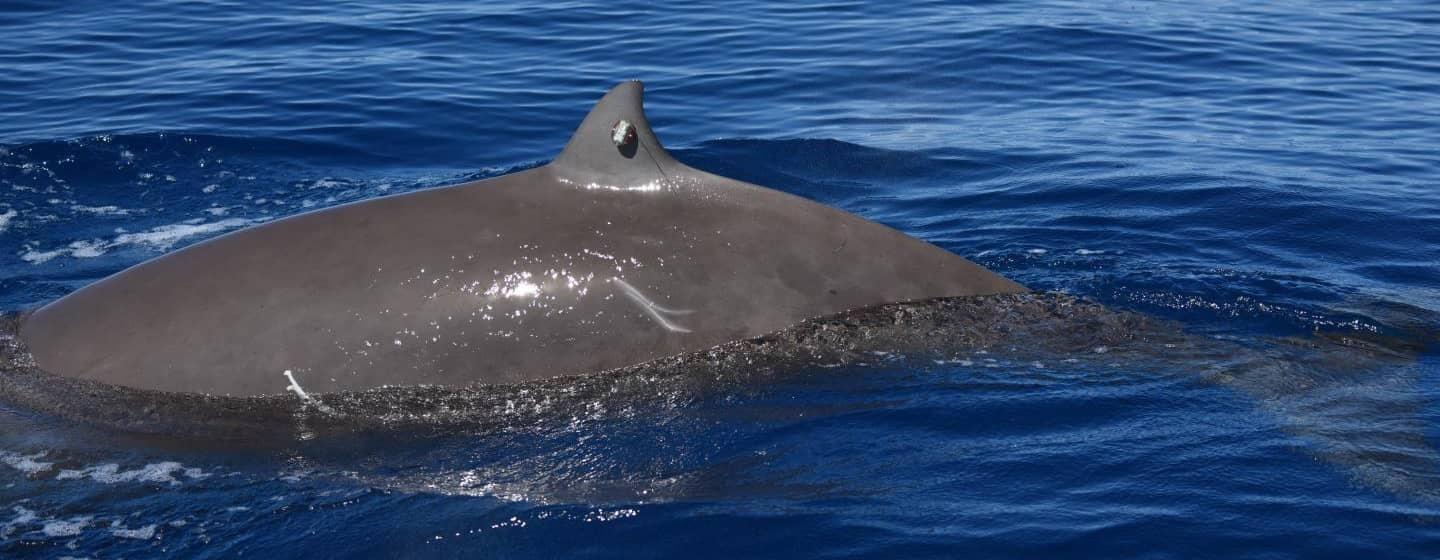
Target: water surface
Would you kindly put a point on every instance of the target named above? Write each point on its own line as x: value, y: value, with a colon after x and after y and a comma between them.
x: 1257, y: 173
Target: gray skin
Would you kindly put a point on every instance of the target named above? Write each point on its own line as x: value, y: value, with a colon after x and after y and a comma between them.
x: 612, y: 255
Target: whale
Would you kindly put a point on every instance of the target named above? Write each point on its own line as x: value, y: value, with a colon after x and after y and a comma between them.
x: 614, y: 283
x: 611, y: 255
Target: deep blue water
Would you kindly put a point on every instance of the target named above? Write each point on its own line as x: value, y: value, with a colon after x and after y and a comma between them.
x: 1253, y: 170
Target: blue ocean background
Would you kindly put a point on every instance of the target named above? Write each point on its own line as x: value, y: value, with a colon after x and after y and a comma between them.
x: 1255, y: 171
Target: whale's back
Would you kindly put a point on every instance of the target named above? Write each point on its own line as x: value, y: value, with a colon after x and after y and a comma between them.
x: 599, y: 260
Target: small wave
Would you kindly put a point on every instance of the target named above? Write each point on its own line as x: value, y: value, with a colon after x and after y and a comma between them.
x: 166, y: 472
x: 65, y: 528
x: 32, y: 525
x: 160, y: 238
x: 28, y: 464
x: 143, y: 533
x: 23, y: 516
x: 108, y: 210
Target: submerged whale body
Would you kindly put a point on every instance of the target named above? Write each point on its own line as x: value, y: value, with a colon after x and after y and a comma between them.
x: 612, y: 255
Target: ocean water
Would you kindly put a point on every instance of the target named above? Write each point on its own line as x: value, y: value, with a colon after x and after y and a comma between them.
x: 1261, y: 175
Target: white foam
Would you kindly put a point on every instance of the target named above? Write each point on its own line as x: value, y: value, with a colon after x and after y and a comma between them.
x: 100, y: 210
x: 86, y: 249
x: 1088, y: 252
x: 109, y: 473
x: 167, y: 236
x: 23, y: 516
x: 5, y: 218
x: 1037, y: 251
x: 602, y: 516
x: 38, y: 257
x: 25, y: 463
x: 144, y: 533
x: 65, y: 528
x: 161, y: 238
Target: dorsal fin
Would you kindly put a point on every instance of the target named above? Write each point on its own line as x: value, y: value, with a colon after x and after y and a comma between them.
x: 614, y: 145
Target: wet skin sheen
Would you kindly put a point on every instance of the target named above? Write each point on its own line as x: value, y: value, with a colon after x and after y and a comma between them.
x: 612, y: 255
